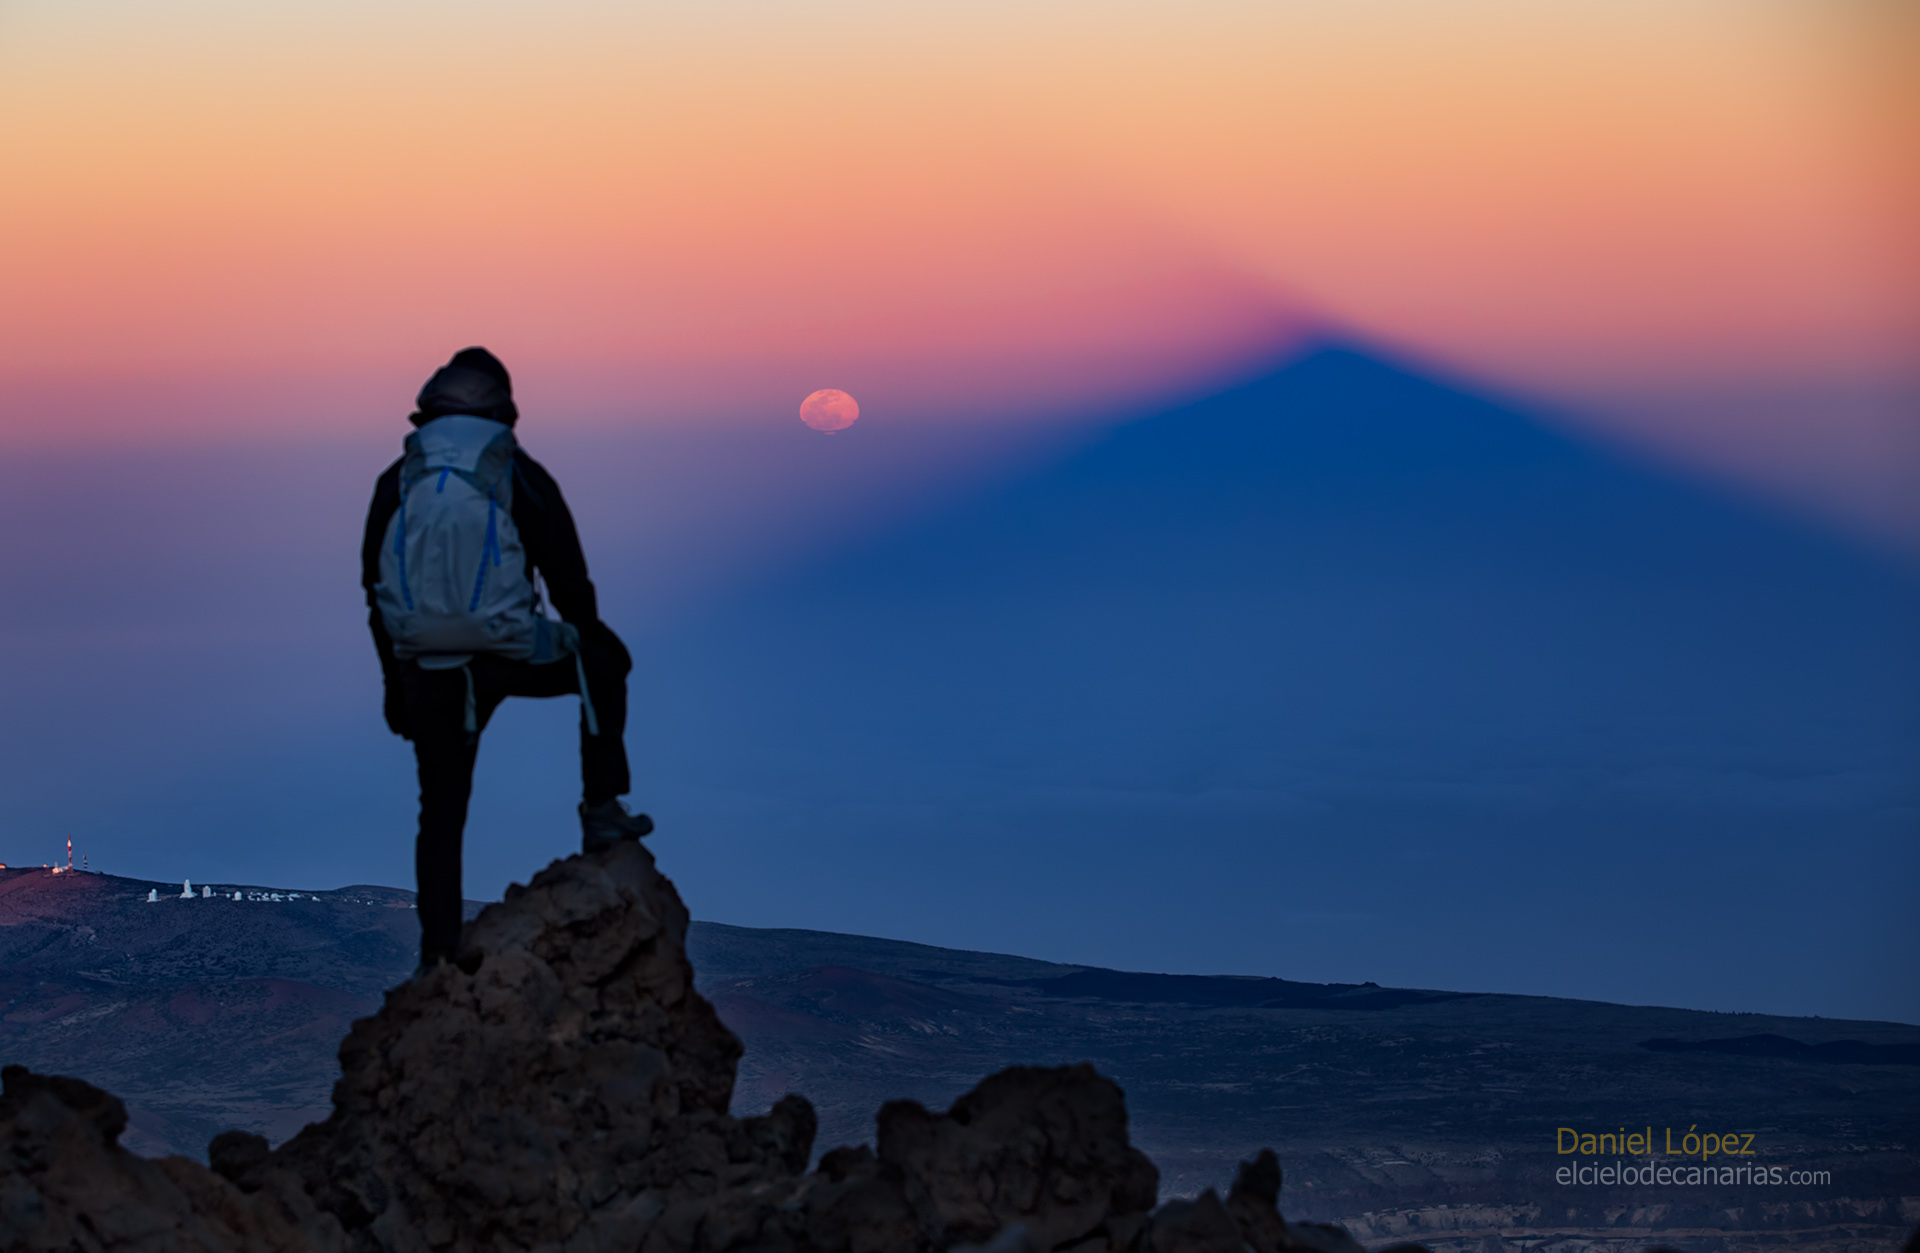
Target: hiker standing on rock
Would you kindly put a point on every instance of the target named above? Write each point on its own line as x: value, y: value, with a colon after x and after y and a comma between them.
x: 459, y: 530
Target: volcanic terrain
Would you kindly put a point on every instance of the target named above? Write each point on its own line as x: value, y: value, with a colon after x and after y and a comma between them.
x: 1397, y: 1111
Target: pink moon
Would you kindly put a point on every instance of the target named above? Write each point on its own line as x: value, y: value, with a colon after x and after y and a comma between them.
x: 829, y: 410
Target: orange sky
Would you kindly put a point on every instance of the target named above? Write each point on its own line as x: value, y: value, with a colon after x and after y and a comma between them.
x: 1664, y: 215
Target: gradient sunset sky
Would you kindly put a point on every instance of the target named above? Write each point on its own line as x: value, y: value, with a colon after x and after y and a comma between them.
x: 1504, y: 415
x: 1685, y: 220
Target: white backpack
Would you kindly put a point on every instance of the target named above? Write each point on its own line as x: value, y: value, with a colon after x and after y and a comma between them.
x: 453, y: 574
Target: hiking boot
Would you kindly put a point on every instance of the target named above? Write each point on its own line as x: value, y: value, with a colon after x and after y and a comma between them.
x: 608, y: 823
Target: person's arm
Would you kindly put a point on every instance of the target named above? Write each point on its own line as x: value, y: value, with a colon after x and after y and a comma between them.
x: 553, y: 548
x: 553, y: 545
x: 386, y: 502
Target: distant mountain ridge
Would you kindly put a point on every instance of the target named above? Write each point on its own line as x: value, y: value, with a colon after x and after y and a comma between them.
x: 1838, y: 1052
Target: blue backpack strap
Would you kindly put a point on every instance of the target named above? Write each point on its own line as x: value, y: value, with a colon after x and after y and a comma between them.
x: 489, y: 552
x: 400, y: 541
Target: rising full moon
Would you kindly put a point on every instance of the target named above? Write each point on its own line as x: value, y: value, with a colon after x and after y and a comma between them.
x: 829, y: 410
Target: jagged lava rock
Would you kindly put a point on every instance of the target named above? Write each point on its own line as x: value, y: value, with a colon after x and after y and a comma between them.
x: 66, y: 1184
x: 1248, y: 1220
x: 1043, y: 1149
x: 558, y: 1085
x: 1030, y: 1159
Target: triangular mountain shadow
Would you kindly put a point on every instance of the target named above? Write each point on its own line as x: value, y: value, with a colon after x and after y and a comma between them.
x: 1336, y: 543
x: 1337, y: 621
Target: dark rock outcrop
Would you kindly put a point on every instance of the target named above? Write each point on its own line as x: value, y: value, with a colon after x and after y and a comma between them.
x: 66, y: 1184
x: 561, y: 1087
x: 1042, y: 1149
x: 558, y: 1083
x: 1248, y: 1219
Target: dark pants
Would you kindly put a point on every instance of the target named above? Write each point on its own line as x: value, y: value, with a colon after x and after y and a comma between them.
x: 437, y: 704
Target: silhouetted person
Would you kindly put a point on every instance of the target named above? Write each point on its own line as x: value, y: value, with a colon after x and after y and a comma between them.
x: 459, y: 530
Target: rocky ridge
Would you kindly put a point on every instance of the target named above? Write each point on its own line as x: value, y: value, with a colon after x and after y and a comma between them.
x: 562, y: 1087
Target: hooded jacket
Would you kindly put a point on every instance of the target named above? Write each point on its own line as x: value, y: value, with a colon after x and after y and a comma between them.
x: 475, y: 382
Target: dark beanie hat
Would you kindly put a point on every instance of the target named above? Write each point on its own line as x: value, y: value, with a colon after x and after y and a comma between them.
x: 473, y: 382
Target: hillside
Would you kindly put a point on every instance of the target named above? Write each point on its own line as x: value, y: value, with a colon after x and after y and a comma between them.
x: 206, y: 1014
